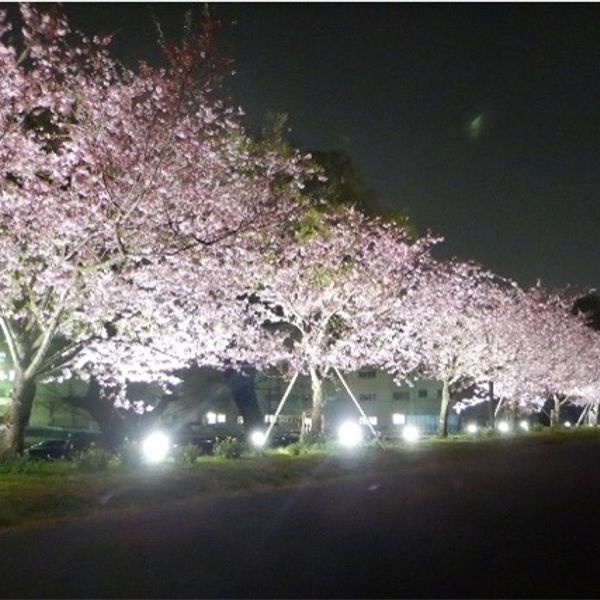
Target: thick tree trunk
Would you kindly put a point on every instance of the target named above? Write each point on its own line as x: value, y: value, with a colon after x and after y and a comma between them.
x: 12, y: 441
x: 317, y: 415
x: 555, y: 412
x: 444, y: 409
x: 243, y: 391
x: 113, y: 426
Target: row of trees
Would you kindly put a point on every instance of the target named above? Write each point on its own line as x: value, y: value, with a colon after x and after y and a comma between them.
x: 142, y: 230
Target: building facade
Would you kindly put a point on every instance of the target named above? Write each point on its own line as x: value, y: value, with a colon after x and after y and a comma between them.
x: 386, y: 405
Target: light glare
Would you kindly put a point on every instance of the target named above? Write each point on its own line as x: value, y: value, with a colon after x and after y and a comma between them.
x: 156, y: 446
x: 350, y: 434
x: 503, y: 427
x: 567, y: 423
x: 258, y: 438
x: 472, y: 428
x: 524, y: 425
x: 410, y: 433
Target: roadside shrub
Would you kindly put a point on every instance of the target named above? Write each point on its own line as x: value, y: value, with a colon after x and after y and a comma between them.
x: 309, y: 443
x: 93, y: 460
x: 295, y: 449
x: 20, y: 465
x: 229, y: 447
x: 186, y: 455
x: 130, y: 454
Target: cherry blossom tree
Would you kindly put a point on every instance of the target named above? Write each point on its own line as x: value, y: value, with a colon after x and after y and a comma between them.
x: 452, y: 321
x: 320, y: 298
x: 542, y: 351
x: 107, y: 172
x: 542, y: 346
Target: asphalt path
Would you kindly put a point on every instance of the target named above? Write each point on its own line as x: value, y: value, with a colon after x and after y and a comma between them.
x: 519, y: 525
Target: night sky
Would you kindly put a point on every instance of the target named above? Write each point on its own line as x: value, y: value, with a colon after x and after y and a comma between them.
x: 483, y: 121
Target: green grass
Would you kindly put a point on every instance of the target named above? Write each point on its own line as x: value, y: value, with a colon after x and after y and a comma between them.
x: 50, y: 491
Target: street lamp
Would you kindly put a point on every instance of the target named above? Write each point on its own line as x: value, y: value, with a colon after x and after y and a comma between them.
x: 156, y: 446
x: 258, y: 439
x: 410, y: 434
x: 350, y: 434
x: 503, y: 427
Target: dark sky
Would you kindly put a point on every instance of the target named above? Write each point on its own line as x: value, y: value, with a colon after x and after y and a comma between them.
x: 483, y: 120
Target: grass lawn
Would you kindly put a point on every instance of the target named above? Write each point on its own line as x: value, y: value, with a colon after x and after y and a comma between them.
x: 48, y: 491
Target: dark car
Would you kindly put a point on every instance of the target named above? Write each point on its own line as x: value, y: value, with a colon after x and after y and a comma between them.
x: 285, y: 439
x: 194, y: 434
x: 52, y: 450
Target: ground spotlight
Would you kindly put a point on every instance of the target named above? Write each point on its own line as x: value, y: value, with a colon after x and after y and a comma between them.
x: 524, y: 425
x: 567, y: 423
x: 258, y: 438
x: 472, y: 428
x: 503, y: 427
x: 411, y: 433
x: 350, y: 434
x: 156, y: 446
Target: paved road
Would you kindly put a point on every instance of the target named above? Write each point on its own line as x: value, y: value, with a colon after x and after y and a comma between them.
x: 523, y: 524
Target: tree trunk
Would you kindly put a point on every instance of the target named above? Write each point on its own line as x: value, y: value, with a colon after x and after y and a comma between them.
x: 444, y: 409
x: 241, y: 386
x: 12, y: 441
x: 491, y: 407
x: 555, y: 412
x: 113, y: 426
x: 317, y: 416
x: 512, y: 413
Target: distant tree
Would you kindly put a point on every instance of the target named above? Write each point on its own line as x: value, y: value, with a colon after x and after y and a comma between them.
x: 345, y: 184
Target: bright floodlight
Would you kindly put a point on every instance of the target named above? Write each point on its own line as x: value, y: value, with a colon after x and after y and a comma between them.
x: 350, y: 434
x: 258, y: 438
x: 567, y: 423
x: 503, y: 427
x: 156, y: 446
x: 472, y: 428
x: 524, y: 425
x: 411, y: 433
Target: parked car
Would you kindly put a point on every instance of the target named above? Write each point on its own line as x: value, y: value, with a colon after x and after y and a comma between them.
x: 204, y: 437
x: 52, y: 450
x: 61, y: 448
x: 280, y: 440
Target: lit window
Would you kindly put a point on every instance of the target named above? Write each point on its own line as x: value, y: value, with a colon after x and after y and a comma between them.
x: 367, y: 374
x: 367, y: 397
x: 401, y: 395
x: 423, y: 393
x: 240, y: 420
x: 3, y: 376
x: 363, y: 421
x: 211, y: 418
x: 221, y: 418
x: 398, y: 419
x: 269, y: 418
